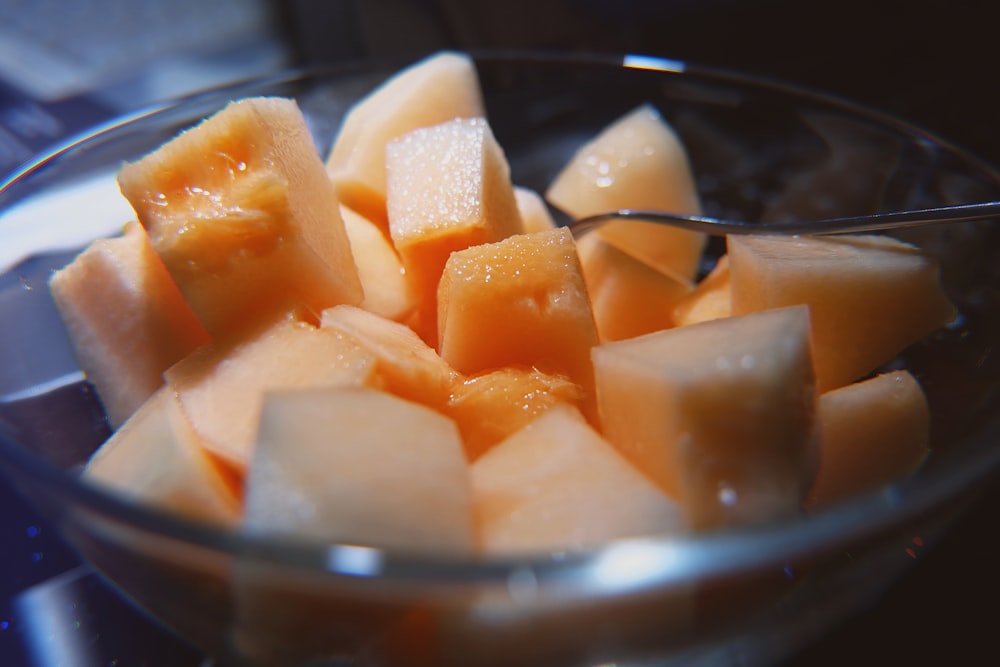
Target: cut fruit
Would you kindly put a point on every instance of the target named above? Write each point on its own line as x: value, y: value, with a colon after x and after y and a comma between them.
x: 719, y: 414
x: 637, y: 162
x: 869, y: 296
x: 519, y: 302
x: 448, y: 189
x: 220, y: 386
x: 629, y: 297
x: 360, y: 466
x: 535, y: 216
x: 407, y: 366
x: 383, y: 279
x: 871, y: 433
x: 557, y: 485
x: 244, y: 216
x: 493, y: 405
x: 439, y: 88
x: 126, y: 319
x: 711, y: 298
x: 156, y: 459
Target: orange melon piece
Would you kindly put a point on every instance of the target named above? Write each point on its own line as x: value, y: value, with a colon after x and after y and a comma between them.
x: 557, y: 485
x: 637, y: 162
x: 711, y: 298
x: 721, y: 414
x: 407, y: 366
x: 126, y: 319
x: 156, y: 459
x: 535, y: 215
x: 439, y: 88
x: 448, y: 188
x: 491, y: 406
x: 244, y: 216
x: 220, y: 386
x: 383, y: 279
x: 360, y: 466
x: 869, y: 296
x: 629, y: 297
x: 871, y: 433
x: 519, y: 302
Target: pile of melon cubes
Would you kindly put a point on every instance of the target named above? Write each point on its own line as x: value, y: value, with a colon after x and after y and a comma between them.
x: 391, y: 344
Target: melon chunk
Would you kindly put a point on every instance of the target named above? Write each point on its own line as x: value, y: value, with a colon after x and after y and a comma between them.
x: 493, y: 405
x: 126, y: 319
x: 220, y: 386
x: 629, y: 297
x: 407, y: 366
x: 719, y: 414
x: 439, y: 88
x: 557, y: 485
x: 519, y: 302
x: 383, y: 278
x: 244, y: 216
x: 535, y: 216
x: 360, y: 466
x: 871, y: 433
x: 869, y: 296
x: 448, y: 189
x: 156, y: 459
x: 637, y: 162
x: 711, y: 298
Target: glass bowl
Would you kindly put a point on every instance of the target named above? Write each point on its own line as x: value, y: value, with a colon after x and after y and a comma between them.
x: 760, y: 151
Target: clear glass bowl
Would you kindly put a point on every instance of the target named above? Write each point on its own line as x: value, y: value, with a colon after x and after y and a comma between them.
x: 760, y: 151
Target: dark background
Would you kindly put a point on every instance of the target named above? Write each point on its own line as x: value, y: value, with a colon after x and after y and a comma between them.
x: 931, y: 62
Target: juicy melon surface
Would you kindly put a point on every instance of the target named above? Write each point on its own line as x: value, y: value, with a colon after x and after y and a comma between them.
x: 221, y: 385
x: 449, y: 188
x: 871, y: 433
x: 720, y: 414
x: 126, y: 319
x: 869, y: 296
x: 636, y: 162
x: 519, y: 302
x: 361, y: 466
x: 156, y: 459
x: 437, y: 89
x: 556, y: 485
x: 244, y: 216
x: 629, y: 297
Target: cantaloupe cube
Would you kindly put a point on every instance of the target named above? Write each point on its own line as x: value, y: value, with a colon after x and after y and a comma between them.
x: 220, y: 386
x: 871, y: 433
x: 637, y: 162
x: 870, y: 296
x: 493, y: 405
x: 557, y: 485
x: 244, y: 215
x: 710, y: 299
x: 383, y: 279
x: 439, y: 88
x: 407, y: 366
x: 535, y: 215
x: 126, y: 319
x: 156, y: 459
x: 359, y: 466
x: 448, y: 188
x: 629, y: 297
x: 719, y: 414
x: 519, y: 302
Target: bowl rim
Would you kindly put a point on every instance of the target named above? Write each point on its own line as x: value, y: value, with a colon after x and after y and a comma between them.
x: 610, y: 569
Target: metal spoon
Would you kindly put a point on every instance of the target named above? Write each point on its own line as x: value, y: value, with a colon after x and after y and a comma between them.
x: 845, y: 225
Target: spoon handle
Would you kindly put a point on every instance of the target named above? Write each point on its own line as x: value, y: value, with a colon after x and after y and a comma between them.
x: 845, y: 225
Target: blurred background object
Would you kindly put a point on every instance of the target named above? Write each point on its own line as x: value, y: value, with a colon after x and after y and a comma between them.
x: 66, y: 65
